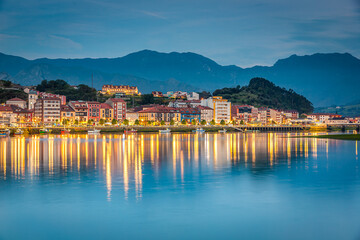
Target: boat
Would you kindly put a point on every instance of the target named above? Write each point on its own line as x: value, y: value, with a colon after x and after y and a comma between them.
x: 199, y: 130
x: 18, y: 132
x: 4, y: 132
x: 65, y: 131
x: 130, y: 130
x: 222, y: 130
x: 164, y: 130
x: 94, y: 131
x: 44, y: 130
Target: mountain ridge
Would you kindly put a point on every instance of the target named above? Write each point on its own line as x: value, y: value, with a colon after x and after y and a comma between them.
x: 324, y: 78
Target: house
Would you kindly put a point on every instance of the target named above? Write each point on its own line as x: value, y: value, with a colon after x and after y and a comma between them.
x: 157, y: 94
x: 119, y: 106
x: 81, y: 110
x: 206, y: 113
x: 192, y: 96
x: 189, y: 114
x: 7, y: 115
x: 47, y: 110
x: 322, y: 117
x: 93, y: 111
x: 106, y: 112
x: 160, y: 113
x: 23, y: 116
x: 67, y: 112
x: 17, y: 102
x: 290, y: 114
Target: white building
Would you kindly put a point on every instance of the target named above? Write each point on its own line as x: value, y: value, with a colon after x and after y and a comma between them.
x: 221, y: 107
x: 192, y: 96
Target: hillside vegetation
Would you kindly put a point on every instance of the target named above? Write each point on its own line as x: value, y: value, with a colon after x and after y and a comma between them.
x: 263, y: 93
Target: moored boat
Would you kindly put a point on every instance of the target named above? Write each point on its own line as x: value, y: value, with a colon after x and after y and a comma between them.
x: 18, y: 132
x: 94, y: 131
x: 65, y: 131
x: 199, y: 130
x: 130, y: 130
x: 44, y: 130
x: 222, y: 130
x: 4, y: 132
x: 165, y: 130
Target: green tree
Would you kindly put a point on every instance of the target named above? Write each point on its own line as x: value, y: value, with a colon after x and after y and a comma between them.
x: 222, y: 122
x: 113, y: 122
x: 137, y: 122
x: 65, y: 121
x: 203, y: 122
x: 162, y: 122
x: 183, y: 122
x: 102, y: 121
x: 212, y: 122
x: 90, y: 122
x: 193, y: 122
x: 147, y: 99
x: 172, y: 122
x: 242, y: 122
x: 148, y: 122
x: 126, y: 122
x: 76, y: 122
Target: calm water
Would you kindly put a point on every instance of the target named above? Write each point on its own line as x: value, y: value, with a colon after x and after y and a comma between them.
x: 179, y: 186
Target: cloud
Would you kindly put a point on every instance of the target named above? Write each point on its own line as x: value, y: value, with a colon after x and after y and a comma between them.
x: 56, y: 41
x: 153, y: 14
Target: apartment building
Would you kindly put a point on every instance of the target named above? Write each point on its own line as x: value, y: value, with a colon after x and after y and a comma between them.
x: 106, y: 112
x: 47, y: 110
x: 206, y: 113
x: 17, y: 102
x: 119, y: 106
x: 67, y: 112
x: 81, y: 110
x: 221, y: 107
x: 160, y: 113
x: 93, y: 111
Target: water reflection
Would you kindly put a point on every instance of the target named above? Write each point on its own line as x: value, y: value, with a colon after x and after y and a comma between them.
x: 124, y: 160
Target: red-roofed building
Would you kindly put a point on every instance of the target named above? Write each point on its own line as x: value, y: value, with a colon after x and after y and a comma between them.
x: 119, y: 106
x: 93, y: 111
x: 322, y: 117
x: 81, y: 110
x: 207, y: 113
x: 106, y: 112
x: 160, y: 113
x: 67, y: 112
x: 17, y: 102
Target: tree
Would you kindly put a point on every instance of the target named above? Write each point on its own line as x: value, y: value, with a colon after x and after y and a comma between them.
x: 102, y: 121
x: 162, y: 122
x: 203, y: 122
x: 148, y: 122
x: 242, y: 122
x: 76, y: 122
x: 222, y: 122
x: 137, y: 122
x: 90, y: 122
x: 193, y: 122
x: 126, y: 122
x: 147, y: 99
x: 172, y: 122
x: 212, y: 122
x: 113, y: 122
x: 183, y: 122
x: 65, y: 121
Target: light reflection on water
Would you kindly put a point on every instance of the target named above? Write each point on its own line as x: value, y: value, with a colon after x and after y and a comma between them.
x: 134, y: 170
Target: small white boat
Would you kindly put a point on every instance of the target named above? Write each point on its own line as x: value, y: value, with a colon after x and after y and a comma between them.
x: 199, y: 130
x: 223, y: 131
x: 94, y: 131
x: 164, y: 130
x: 4, y: 132
x: 18, y: 132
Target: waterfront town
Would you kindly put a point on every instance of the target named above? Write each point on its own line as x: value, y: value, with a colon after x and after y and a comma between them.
x: 182, y: 108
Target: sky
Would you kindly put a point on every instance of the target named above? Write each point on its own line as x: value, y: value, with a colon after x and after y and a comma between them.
x: 243, y: 33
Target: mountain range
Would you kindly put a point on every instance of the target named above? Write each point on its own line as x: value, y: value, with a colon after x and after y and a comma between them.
x: 324, y: 78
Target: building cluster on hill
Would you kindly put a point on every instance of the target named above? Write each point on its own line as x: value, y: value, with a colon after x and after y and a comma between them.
x: 49, y: 109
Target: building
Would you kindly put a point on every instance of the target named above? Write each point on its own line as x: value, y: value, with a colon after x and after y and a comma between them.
x: 160, y: 113
x: 157, y: 94
x: 93, y: 111
x: 7, y: 115
x: 32, y: 97
x: 67, y: 113
x: 322, y: 117
x: 17, y: 102
x: 132, y: 115
x: 47, y: 110
x: 119, y: 106
x: 243, y: 113
x: 61, y: 97
x: 206, y: 113
x: 81, y: 110
x: 23, y: 116
x: 337, y: 120
x: 192, y: 96
x: 190, y: 114
x: 222, y: 108
x: 106, y: 112
x: 112, y: 89
x: 269, y: 115
x: 290, y: 114
x: 178, y: 104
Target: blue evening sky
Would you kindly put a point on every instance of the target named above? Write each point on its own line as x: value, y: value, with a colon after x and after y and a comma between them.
x: 244, y: 33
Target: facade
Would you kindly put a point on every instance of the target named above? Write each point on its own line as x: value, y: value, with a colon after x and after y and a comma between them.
x: 189, y: 114
x: 322, y: 117
x: 47, y: 110
x: 16, y: 102
x: 222, y: 108
x: 106, y: 112
x: 81, y: 110
x: 67, y: 112
x: 7, y: 115
x: 132, y: 115
x: 206, y: 113
x: 160, y: 113
x: 61, y: 97
x: 32, y: 97
x: 23, y: 116
x: 93, y: 111
x: 290, y: 114
x: 112, y: 89
x: 119, y: 106
x: 337, y: 120
x: 192, y: 96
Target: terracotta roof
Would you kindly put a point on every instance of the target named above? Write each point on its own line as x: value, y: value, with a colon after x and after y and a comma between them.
x: 105, y: 106
x: 66, y: 108
x: 6, y: 108
x: 16, y: 99
x: 116, y: 100
x: 159, y: 109
x: 189, y: 111
x: 204, y: 108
